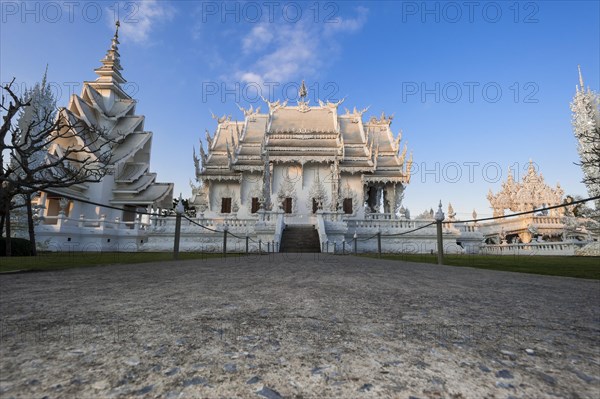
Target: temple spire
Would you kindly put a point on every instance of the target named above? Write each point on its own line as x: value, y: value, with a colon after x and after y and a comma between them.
x: 580, y: 77
x: 111, y: 69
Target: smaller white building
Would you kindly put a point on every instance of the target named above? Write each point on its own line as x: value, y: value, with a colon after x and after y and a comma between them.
x: 552, y: 232
x: 67, y: 221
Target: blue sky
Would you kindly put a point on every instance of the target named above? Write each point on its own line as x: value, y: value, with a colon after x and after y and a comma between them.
x: 475, y: 88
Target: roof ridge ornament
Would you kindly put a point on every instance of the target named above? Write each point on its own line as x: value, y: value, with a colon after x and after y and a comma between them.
x: 275, y: 105
x: 302, y: 102
x: 250, y: 111
x: 302, y: 92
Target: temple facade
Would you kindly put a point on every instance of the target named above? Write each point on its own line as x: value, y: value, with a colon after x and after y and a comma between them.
x: 301, y: 159
x: 64, y: 218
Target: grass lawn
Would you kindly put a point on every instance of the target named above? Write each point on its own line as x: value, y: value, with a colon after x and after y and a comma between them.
x: 62, y: 260
x: 567, y: 266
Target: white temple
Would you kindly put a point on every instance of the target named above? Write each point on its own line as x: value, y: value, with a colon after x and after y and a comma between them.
x: 302, y: 177
x: 66, y: 223
x: 301, y: 159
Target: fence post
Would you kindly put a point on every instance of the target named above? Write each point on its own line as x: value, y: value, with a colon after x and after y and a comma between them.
x: 379, y: 243
x: 268, y: 247
x: 259, y: 246
x: 179, y: 209
x: 344, y: 247
x: 439, y: 217
x: 355, y: 243
x: 225, y: 242
x: 247, y: 244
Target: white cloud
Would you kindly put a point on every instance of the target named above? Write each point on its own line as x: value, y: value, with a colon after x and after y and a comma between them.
x: 250, y: 77
x: 140, y: 17
x: 349, y: 25
x: 258, y: 38
x: 281, y: 52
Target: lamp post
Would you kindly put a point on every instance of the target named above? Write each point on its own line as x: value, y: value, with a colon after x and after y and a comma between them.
x: 179, y: 209
x: 439, y: 217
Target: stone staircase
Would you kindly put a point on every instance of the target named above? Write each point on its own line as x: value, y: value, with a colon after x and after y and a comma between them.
x: 300, y: 239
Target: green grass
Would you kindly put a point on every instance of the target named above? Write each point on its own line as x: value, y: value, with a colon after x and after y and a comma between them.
x: 567, y: 266
x: 62, y: 260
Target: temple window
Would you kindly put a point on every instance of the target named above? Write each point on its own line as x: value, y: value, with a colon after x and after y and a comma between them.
x: 348, y: 206
x: 315, y: 205
x: 287, y: 205
x: 226, y: 205
x: 255, y: 205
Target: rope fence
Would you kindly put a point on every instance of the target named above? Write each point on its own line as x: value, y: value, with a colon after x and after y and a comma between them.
x: 271, y: 246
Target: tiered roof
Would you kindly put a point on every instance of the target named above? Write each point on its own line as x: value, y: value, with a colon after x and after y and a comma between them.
x: 303, y: 133
x: 104, y: 107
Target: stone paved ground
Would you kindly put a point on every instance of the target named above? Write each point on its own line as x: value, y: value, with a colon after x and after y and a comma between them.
x: 298, y: 326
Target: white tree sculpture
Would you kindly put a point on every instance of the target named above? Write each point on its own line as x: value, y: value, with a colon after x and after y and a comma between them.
x: 586, y: 126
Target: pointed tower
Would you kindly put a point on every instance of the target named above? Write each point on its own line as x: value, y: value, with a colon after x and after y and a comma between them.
x: 106, y: 111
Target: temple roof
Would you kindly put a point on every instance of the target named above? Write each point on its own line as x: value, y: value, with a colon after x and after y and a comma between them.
x: 303, y: 133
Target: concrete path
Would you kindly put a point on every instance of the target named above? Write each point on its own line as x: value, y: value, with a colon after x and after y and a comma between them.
x: 298, y: 326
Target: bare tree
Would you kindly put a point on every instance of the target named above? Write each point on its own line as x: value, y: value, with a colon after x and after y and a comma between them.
x: 46, y: 153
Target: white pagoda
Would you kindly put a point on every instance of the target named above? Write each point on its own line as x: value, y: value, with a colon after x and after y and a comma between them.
x: 64, y: 220
x: 301, y: 160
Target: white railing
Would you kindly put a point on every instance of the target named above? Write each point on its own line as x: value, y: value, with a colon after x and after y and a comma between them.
x: 386, y: 224
x: 61, y: 221
x: 380, y: 216
x: 321, y: 230
x: 466, y: 228
x: 534, y: 248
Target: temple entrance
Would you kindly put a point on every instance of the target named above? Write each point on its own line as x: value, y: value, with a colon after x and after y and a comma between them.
x: 374, y: 198
x: 287, y: 205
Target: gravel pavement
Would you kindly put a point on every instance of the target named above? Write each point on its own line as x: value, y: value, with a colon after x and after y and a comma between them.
x: 297, y: 326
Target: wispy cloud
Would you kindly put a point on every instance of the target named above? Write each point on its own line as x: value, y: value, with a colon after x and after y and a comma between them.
x: 139, y: 18
x: 348, y: 25
x: 283, y: 51
x: 293, y: 51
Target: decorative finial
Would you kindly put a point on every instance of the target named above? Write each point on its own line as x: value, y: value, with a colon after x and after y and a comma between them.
x: 580, y: 77
x: 302, y: 93
x: 115, y: 40
x: 439, y: 215
x: 179, y: 209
